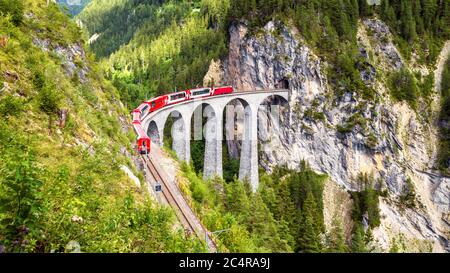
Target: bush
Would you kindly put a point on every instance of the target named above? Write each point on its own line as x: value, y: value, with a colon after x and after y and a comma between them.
x: 14, y: 8
x: 366, y: 201
x: 314, y: 116
x: 10, y: 106
x: 371, y: 141
x: 403, y: 87
x: 408, y: 195
x: 49, y: 100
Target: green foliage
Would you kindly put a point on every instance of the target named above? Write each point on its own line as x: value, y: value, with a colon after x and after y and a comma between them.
x: 69, y: 187
x: 14, y: 8
x: 284, y: 215
x: 164, y: 46
x: 444, y: 119
x: 358, y: 243
x: 366, y: 201
x: 49, y: 100
x: 230, y: 165
x: 313, y: 115
x: 309, y: 229
x: 371, y: 141
x: 149, y: 17
x: 408, y: 195
x: 356, y: 119
x: 403, y: 87
x: 410, y: 19
x: 75, y: 8
x: 335, y: 239
x: 19, y: 199
x: 10, y: 106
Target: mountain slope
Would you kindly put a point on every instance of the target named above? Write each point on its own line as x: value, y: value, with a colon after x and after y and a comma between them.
x: 164, y: 45
x: 64, y: 137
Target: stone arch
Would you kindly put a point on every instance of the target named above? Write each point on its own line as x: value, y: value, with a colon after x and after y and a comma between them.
x: 240, y: 126
x: 175, y: 121
x: 204, y: 139
x: 273, y: 124
x: 154, y: 132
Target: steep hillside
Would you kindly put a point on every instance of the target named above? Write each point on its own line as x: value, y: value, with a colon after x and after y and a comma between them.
x: 64, y: 140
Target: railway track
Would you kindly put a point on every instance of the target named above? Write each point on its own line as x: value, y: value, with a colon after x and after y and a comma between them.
x: 176, y: 200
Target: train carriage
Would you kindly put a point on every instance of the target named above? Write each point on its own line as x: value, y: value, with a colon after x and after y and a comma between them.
x: 177, y: 97
x: 222, y: 90
x: 157, y: 103
x: 136, y: 116
x: 200, y: 93
x: 143, y: 141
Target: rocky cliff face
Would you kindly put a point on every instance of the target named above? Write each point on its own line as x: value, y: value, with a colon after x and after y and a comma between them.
x: 387, y: 139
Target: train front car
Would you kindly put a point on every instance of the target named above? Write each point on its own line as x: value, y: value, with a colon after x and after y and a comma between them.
x: 143, y: 141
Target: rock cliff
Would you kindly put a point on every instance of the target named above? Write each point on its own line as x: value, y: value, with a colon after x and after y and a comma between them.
x: 386, y: 139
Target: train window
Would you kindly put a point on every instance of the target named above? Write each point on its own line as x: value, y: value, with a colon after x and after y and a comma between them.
x: 144, y: 108
x: 178, y: 96
x: 153, y: 104
x: 200, y: 92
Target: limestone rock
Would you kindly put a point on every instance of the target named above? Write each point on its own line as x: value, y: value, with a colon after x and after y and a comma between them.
x: 402, y: 149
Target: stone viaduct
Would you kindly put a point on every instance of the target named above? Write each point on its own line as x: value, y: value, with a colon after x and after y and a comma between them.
x: 214, y: 108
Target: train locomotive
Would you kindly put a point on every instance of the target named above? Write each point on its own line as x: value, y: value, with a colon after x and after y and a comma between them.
x: 147, y: 107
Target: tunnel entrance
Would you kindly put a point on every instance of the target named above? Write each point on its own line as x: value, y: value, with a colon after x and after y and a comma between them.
x: 283, y: 84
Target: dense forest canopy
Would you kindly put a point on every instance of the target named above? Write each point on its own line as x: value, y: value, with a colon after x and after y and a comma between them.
x: 162, y: 46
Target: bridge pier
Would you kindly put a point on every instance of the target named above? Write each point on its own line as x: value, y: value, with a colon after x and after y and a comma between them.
x: 212, y: 165
x: 248, y: 166
x: 181, y: 138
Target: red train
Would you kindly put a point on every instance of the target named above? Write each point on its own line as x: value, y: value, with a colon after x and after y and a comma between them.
x: 152, y: 105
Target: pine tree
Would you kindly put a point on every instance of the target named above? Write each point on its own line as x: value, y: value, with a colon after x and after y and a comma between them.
x: 417, y: 9
x: 388, y: 13
x: 358, y: 244
x: 364, y: 8
x: 309, y: 228
x: 407, y: 20
x: 336, y: 238
x: 309, y: 240
x: 368, y: 240
x: 13, y: 7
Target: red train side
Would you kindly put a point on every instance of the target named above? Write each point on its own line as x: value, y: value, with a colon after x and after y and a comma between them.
x: 157, y: 103
x: 222, y: 90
